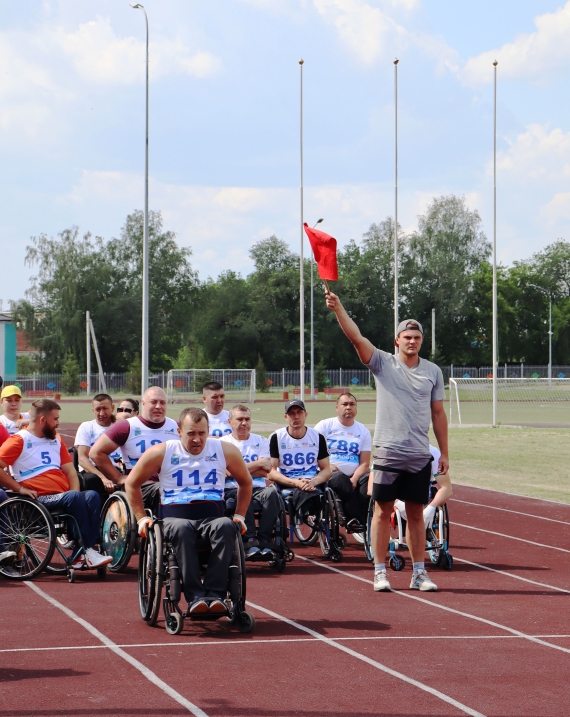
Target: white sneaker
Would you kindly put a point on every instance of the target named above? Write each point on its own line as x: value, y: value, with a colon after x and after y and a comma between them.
x: 381, y: 583
x: 95, y: 559
x: 421, y: 581
x: 79, y: 563
x: 7, y: 555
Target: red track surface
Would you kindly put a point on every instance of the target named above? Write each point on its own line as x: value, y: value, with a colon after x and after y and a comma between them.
x: 496, y: 643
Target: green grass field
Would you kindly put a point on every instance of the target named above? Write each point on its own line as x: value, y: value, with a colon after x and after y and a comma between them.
x: 528, y: 461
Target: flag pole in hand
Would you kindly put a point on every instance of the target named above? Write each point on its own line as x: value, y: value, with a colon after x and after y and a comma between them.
x: 324, y: 251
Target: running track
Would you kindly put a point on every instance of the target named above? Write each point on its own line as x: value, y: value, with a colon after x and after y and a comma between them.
x: 494, y: 641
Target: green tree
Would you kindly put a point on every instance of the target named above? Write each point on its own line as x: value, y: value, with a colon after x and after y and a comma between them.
x: 134, y: 375
x: 70, y: 379
x: 26, y: 365
x: 261, y: 379
x: 321, y: 380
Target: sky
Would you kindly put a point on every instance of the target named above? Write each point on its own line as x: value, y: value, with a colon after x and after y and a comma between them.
x: 224, y: 120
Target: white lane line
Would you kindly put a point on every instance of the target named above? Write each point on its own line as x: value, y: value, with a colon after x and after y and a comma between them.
x: 516, y: 495
x: 512, y: 575
x: 498, y: 625
x: 143, y: 669
x: 378, y: 665
x: 510, y: 537
x: 516, y: 512
x: 294, y: 639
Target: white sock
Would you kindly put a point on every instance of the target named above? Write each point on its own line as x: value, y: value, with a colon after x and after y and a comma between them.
x: 379, y: 566
x: 418, y: 567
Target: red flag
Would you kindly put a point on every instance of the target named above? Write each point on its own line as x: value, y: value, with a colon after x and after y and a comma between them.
x: 324, y: 251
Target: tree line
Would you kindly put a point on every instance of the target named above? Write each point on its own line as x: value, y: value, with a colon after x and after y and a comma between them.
x: 242, y: 322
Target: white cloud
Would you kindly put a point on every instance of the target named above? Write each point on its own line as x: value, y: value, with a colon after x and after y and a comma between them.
x: 557, y: 210
x: 530, y: 55
x: 371, y: 33
x: 537, y: 153
x: 100, y: 56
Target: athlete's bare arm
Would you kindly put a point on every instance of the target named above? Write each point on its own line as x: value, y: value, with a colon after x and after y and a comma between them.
x: 363, y: 346
x: 277, y: 477
x: 238, y: 470
x: 99, y: 454
x: 322, y: 476
x: 149, y: 464
x: 86, y: 464
x: 439, y: 422
x: 68, y: 470
x: 362, y: 468
x: 6, y: 481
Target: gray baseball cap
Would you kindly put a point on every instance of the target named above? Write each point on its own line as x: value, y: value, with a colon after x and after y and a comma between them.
x: 294, y: 402
x: 409, y: 324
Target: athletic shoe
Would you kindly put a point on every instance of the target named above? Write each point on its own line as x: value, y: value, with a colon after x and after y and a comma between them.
x: 267, y: 554
x: 355, y: 526
x: 381, y: 583
x: 252, y: 551
x: 217, y: 607
x: 198, y: 607
x: 93, y: 559
x: 421, y: 581
x: 7, y: 555
x: 79, y: 562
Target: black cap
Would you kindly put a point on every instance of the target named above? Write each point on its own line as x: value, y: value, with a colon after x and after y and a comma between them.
x: 295, y: 402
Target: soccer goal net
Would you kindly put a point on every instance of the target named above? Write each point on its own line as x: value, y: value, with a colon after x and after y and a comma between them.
x: 186, y: 384
x: 520, y: 401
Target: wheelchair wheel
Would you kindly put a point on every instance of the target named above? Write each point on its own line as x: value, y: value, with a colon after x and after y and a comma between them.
x: 174, y: 623
x: 438, y: 535
x: 151, y: 574
x: 118, y: 533
x: 446, y: 560
x: 245, y: 622
x: 397, y: 563
x: 368, y: 533
x: 328, y: 533
x: 27, y: 528
x: 305, y: 534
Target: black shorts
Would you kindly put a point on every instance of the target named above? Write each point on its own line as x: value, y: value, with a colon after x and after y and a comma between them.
x: 406, y: 486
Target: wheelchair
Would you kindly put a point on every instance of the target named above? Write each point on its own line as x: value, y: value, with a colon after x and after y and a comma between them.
x: 158, y: 568
x: 119, y: 531
x: 282, y: 554
x: 323, y: 526
x: 437, y: 537
x: 39, y: 538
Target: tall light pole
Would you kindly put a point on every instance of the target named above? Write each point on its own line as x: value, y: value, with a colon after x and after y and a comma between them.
x: 544, y: 291
x: 396, y: 291
x: 301, y: 262
x: 495, y: 336
x: 313, y: 323
x: 145, y: 287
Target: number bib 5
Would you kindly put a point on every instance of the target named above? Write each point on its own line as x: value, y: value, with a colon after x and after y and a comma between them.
x: 38, y: 456
x: 185, y: 478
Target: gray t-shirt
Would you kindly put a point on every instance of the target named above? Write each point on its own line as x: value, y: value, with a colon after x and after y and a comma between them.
x: 403, y: 402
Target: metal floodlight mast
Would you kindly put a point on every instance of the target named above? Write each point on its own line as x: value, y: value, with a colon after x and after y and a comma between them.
x: 313, y: 322
x: 495, y: 336
x: 301, y: 262
x: 145, y: 286
x: 396, y: 290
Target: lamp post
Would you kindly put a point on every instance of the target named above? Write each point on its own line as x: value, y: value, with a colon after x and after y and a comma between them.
x: 495, y: 332
x: 313, y: 324
x: 301, y: 258
x: 145, y: 287
x: 396, y: 291
x: 544, y: 291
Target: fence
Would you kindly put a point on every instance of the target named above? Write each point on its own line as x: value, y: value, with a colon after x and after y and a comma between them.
x: 116, y: 382
x: 520, y: 370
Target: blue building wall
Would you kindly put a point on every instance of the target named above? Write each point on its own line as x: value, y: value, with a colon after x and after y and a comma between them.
x: 9, y: 350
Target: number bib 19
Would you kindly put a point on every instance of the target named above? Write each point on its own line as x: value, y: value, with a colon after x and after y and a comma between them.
x: 142, y: 437
x: 185, y: 478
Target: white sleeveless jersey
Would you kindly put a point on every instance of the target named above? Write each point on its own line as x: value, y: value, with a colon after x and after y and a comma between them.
x: 142, y: 437
x: 218, y: 424
x: 88, y: 433
x: 185, y: 478
x: 10, y: 425
x: 38, y: 456
x: 345, y: 443
x: 298, y: 456
x: 251, y: 450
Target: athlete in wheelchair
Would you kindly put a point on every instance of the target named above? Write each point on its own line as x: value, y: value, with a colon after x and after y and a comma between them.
x: 265, y: 541
x: 301, y: 468
x: 436, y: 520
x: 191, y: 529
x: 46, y: 511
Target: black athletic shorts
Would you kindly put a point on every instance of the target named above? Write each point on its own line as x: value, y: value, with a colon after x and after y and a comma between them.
x: 406, y: 486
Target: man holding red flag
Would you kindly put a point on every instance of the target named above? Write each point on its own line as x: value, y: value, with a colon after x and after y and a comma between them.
x: 409, y: 392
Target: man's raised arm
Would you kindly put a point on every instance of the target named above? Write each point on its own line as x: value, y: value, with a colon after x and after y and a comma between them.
x: 364, y: 347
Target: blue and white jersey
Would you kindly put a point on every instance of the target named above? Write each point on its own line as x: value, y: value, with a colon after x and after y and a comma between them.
x: 10, y: 425
x: 251, y: 450
x: 142, y: 437
x: 436, y: 456
x: 39, y: 455
x: 345, y: 443
x: 185, y: 478
x: 218, y: 424
x: 87, y: 434
x: 298, y: 456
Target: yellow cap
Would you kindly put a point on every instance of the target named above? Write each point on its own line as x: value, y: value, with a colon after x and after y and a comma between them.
x: 8, y: 391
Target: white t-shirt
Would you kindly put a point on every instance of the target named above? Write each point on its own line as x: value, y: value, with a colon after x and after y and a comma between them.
x: 345, y: 443
x: 185, y: 478
x: 436, y: 456
x: 251, y: 450
x: 219, y: 425
x: 88, y: 433
x: 10, y: 425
